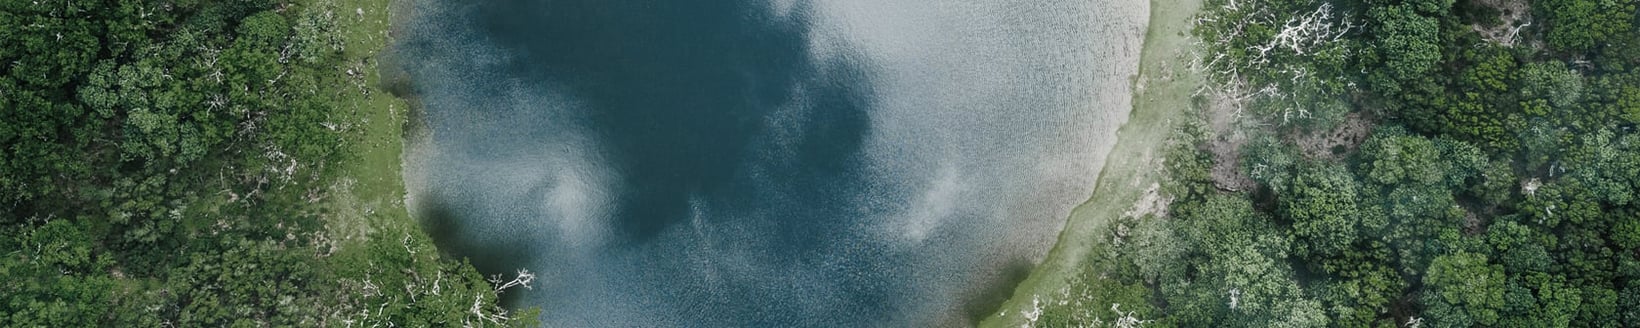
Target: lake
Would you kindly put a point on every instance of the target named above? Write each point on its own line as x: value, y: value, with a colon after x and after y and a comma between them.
x: 761, y: 163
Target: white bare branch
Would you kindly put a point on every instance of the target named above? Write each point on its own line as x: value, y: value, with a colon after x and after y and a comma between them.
x: 522, y: 279
x: 1229, y: 61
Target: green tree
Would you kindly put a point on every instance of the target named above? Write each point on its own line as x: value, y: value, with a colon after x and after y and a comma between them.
x: 1540, y: 300
x: 1630, y: 303
x: 1580, y: 25
x: 1464, y: 290
x: 1497, y: 184
x: 150, y: 135
x: 1629, y: 104
x: 1407, y: 42
x: 1270, y: 162
x: 1599, y: 307
x: 1359, y: 297
x: 1541, y: 141
x: 1391, y: 158
x: 1521, y: 248
x: 1607, y: 165
x: 1321, y: 202
x: 1551, y: 81
x: 1493, y: 70
x: 1245, y: 279
x: 1627, y: 233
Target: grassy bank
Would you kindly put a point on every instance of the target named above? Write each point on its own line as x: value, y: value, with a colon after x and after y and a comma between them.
x: 368, y: 193
x: 1161, y: 100
x: 367, y: 196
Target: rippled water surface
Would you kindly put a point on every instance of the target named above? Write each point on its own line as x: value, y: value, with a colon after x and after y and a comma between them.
x: 761, y: 163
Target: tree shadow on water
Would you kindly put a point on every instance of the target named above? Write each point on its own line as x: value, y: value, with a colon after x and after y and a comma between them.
x: 450, y: 232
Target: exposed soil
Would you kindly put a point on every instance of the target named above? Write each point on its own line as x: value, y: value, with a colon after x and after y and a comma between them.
x: 1473, y: 224
x: 1336, y: 143
x: 1512, y: 13
x: 1151, y: 202
x: 1229, y: 137
x: 1225, y: 145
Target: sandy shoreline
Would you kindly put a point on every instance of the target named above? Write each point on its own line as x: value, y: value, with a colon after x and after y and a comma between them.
x: 1161, y: 95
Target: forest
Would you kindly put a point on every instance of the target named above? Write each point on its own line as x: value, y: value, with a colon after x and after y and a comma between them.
x: 174, y: 163
x: 1390, y: 163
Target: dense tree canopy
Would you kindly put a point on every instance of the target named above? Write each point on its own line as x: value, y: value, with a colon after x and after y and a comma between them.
x: 1581, y: 25
x: 1464, y: 290
x: 163, y: 163
x: 1326, y: 221
x: 1407, y: 41
x: 1496, y: 186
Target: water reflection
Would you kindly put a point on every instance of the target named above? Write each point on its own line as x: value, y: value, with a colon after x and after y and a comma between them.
x: 746, y: 163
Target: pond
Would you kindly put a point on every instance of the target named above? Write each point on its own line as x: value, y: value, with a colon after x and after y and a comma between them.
x: 761, y: 163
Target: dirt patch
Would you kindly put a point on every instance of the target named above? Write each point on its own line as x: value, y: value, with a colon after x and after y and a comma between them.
x: 1512, y: 16
x: 1225, y: 144
x: 1151, y: 202
x: 1229, y: 136
x: 1335, y: 143
x: 1472, y: 224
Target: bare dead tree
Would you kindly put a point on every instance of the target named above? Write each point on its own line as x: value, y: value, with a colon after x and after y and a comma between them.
x: 1126, y: 319
x: 522, y: 279
x: 1301, y: 35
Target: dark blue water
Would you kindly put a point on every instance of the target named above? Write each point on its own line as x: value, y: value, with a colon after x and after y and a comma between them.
x: 755, y: 163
